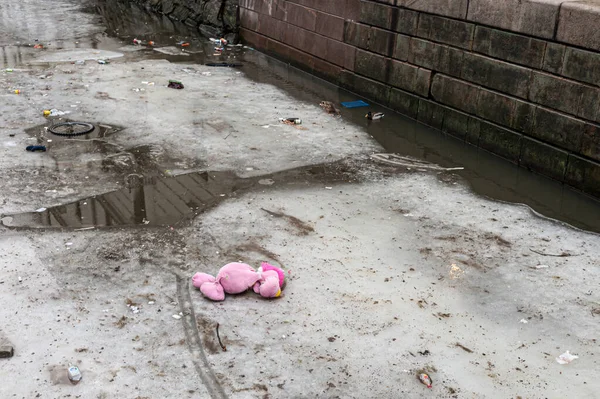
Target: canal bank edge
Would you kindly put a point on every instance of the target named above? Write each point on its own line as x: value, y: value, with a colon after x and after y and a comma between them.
x: 518, y: 78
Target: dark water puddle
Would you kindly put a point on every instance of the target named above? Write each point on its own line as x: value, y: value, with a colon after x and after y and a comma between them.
x: 167, y: 201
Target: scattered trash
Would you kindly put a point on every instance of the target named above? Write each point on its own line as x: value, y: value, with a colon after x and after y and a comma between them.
x: 461, y: 346
x: 150, y: 43
x: 291, y: 121
x: 103, y: 62
x: 560, y: 255
x: 9, y: 70
x: 523, y: 321
x: 374, y: 116
x: 80, y: 62
x: 34, y: 148
x: 541, y: 267
x: 137, y: 41
x: 219, y: 338
x: 183, y: 44
x: 455, y: 271
x: 266, y: 182
x: 355, y: 104
x: 220, y: 42
x: 330, y: 108
x: 17, y: 91
x: 566, y: 358
x: 425, y: 379
x: 38, y: 46
x: 150, y: 302
x: 55, y: 112
x: 6, y: 351
x: 70, y: 129
x: 206, y: 73
x: 398, y: 160
x: 223, y: 64
x: 219, y: 49
x: 176, y: 316
x: 328, y: 188
x: 74, y: 374
x: 40, y: 210
x: 175, y: 84
x: 148, y: 83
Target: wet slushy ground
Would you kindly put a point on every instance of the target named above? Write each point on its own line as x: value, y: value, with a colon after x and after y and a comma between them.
x: 393, y: 268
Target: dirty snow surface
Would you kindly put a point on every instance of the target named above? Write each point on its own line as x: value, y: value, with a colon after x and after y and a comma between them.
x: 390, y: 272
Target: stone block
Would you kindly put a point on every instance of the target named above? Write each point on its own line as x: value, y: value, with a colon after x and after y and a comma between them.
x: 402, y: 48
x: 330, y: 26
x: 352, y: 11
x: 543, y: 158
x: 338, y: 53
x: 455, y: 93
x: 431, y: 114
x: 495, y: 107
x: 303, y: 17
x: 357, y: 34
x: 495, y: 74
x: 249, y: 19
x: 376, y: 14
x: 444, y: 30
x: 449, y: 8
x: 553, y: 58
x: 405, y: 103
x: 500, y: 141
x: 437, y: 57
x: 382, y: 41
x: 405, y: 21
x: 278, y: 9
x: 558, y: 129
x: 474, y: 131
x: 578, y: 24
x: 508, y: 46
x: 366, y: 87
x: 326, y: 70
x: 583, y: 174
x: 532, y: 17
x: 371, y: 65
x: 582, y: 65
x: 565, y: 95
x: 334, y: 7
x: 455, y: 123
x: 590, y: 141
x: 410, y: 78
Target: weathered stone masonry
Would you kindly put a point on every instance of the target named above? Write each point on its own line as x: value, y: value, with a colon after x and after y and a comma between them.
x: 519, y: 78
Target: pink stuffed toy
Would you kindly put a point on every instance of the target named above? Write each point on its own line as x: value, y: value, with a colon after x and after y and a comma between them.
x: 235, y: 278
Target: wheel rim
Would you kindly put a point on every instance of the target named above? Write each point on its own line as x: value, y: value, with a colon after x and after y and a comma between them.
x: 71, y: 128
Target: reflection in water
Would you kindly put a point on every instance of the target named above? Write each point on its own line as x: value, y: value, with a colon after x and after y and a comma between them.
x: 153, y: 201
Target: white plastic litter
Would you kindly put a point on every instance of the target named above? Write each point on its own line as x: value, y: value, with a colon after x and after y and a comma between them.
x: 566, y: 358
x: 523, y: 321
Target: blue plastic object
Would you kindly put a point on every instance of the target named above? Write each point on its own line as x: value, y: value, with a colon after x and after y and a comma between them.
x: 355, y: 104
x: 34, y: 148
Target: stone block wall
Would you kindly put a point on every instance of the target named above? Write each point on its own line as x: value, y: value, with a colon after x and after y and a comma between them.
x: 519, y: 78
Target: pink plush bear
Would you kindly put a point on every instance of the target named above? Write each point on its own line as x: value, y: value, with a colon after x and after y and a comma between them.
x: 235, y: 278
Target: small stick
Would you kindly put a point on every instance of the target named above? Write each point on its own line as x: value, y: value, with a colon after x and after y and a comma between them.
x: 562, y: 255
x: 219, y: 338
x: 464, y: 347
